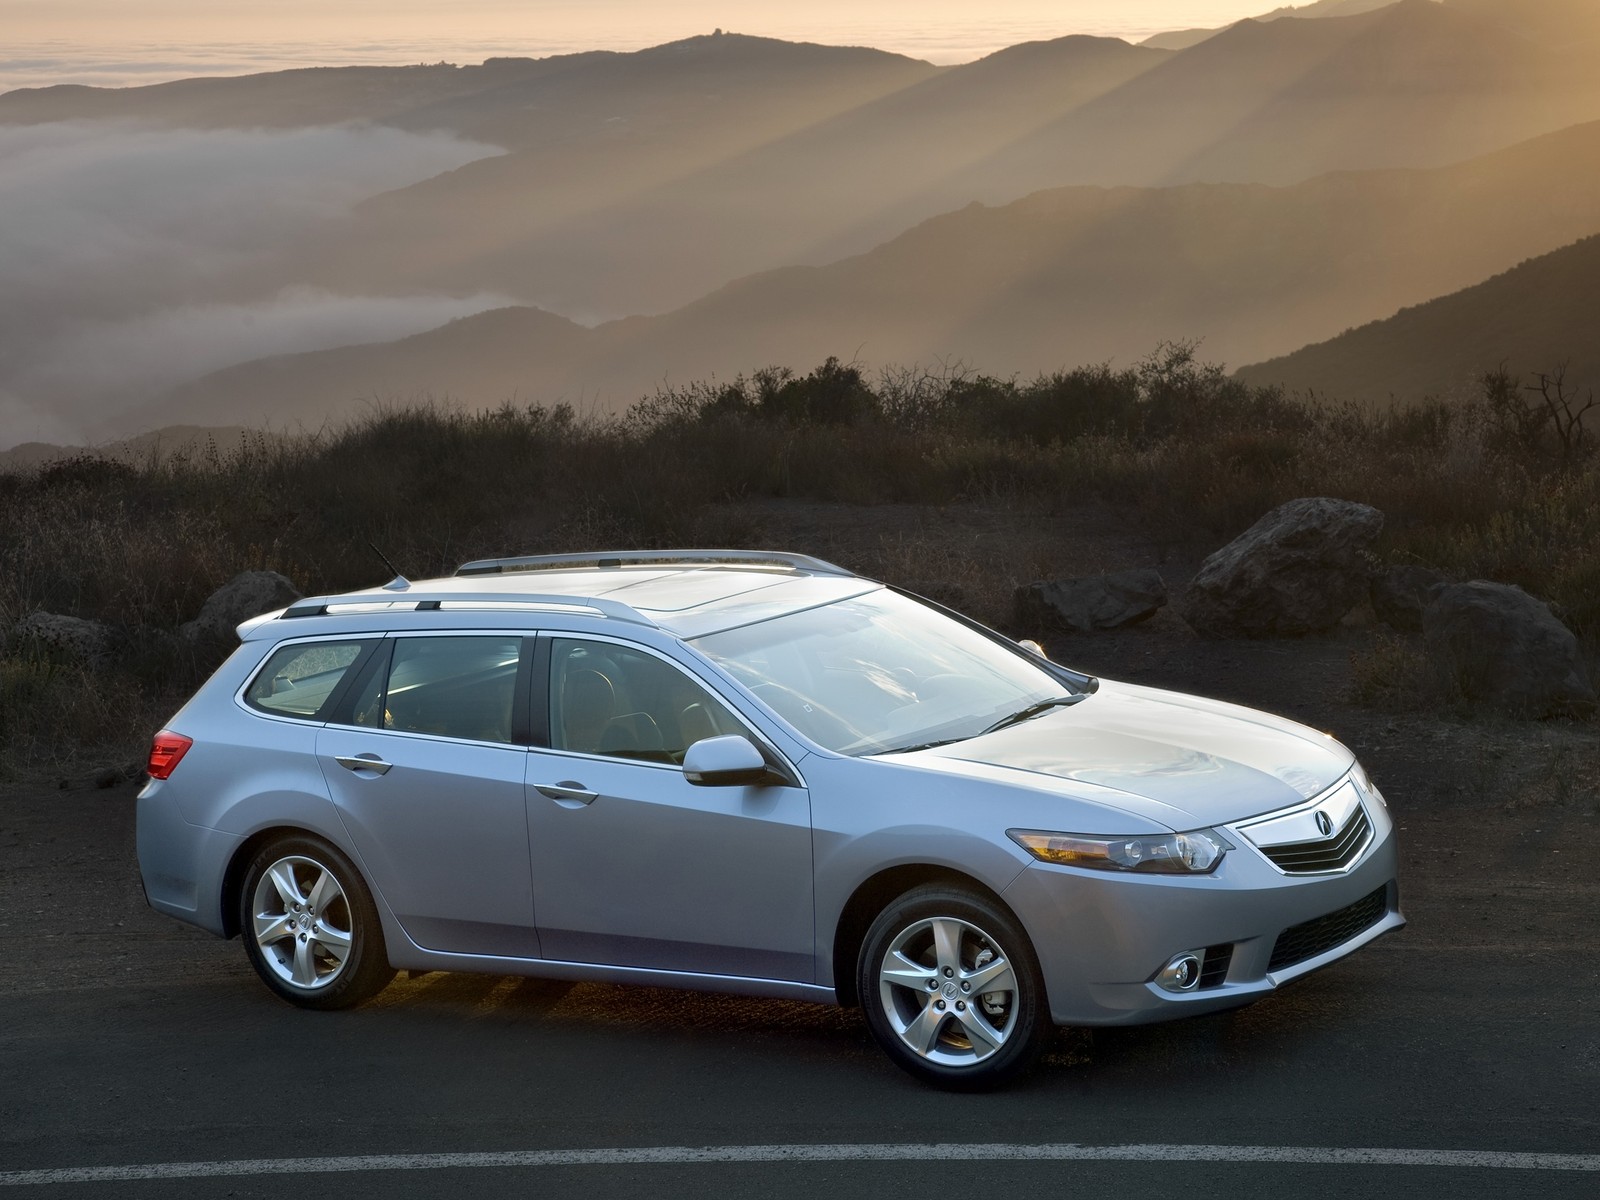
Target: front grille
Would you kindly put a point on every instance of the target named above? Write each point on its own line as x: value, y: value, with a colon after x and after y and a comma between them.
x: 1214, y: 966
x: 1311, y: 938
x: 1333, y: 853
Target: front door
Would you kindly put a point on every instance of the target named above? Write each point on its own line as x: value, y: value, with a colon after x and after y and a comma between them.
x: 633, y: 865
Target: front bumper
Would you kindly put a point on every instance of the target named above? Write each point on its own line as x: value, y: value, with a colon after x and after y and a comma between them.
x: 1102, y: 937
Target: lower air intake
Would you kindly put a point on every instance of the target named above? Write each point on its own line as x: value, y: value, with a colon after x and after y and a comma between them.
x: 1311, y: 938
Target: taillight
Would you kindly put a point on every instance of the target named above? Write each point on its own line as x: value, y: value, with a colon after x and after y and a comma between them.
x: 166, y: 751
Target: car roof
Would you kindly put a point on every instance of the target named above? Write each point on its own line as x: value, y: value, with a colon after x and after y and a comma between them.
x: 687, y: 593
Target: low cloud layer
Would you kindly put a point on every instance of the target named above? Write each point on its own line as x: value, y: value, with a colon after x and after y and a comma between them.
x: 90, y: 371
x: 127, y: 252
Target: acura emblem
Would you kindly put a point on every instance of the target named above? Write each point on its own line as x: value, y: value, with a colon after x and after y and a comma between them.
x: 1324, y: 823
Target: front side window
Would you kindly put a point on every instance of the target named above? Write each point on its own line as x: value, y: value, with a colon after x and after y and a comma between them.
x: 879, y: 672
x: 298, y: 680
x: 457, y: 686
x: 609, y: 699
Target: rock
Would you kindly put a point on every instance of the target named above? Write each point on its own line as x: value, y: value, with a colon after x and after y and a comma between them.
x: 1401, y: 593
x: 1096, y: 602
x: 1504, y: 649
x: 76, y: 639
x: 1297, y: 570
x: 242, y: 597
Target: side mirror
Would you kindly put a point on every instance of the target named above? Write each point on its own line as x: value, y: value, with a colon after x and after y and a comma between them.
x: 731, y: 760
x: 1033, y: 647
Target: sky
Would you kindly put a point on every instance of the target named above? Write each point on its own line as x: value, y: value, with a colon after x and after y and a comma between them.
x: 123, y: 42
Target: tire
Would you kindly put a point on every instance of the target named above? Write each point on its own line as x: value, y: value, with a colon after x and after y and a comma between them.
x: 921, y: 977
x: 309, y: 926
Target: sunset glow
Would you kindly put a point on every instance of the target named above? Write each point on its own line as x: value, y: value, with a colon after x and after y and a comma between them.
x: 114, y: 43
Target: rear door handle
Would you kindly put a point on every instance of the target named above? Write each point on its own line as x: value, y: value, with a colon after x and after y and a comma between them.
x: 570, y: 791
x: 362, y: 762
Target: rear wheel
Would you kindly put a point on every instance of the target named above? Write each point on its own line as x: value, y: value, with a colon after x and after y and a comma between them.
x: 310, y: 928
x: 951, y: 989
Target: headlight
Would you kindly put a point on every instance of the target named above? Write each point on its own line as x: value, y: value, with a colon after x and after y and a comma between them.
x: 1364, y: 785
x: 1195, y: 853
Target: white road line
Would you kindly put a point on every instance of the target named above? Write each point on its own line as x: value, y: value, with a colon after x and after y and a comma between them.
x: 695, y: 1155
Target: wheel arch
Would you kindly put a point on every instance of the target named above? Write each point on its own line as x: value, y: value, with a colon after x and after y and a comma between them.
x: 872, y: 896
x: 244, y: 854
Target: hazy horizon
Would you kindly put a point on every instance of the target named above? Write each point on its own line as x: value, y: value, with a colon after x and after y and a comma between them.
x: 94, y: 42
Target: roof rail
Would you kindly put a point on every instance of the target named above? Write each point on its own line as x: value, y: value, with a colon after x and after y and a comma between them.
x: 617, y: 558
x: 317, y: 606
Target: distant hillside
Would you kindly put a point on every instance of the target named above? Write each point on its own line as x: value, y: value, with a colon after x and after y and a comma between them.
x: 1064, y: 277
x: 1533, y: 318
x: 638, y: 182
x: 1410, y: 84
x: 277, y: 99
x: 511, y: 101
x: 767, y: 202
x: 605, y: 226
x: 508, y: 354
x: 1571, y: 23
x: 1555, y: 22
x: 647, y: 215
x: 1182, y: 39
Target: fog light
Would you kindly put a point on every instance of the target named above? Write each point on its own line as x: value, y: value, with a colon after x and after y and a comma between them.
x: 1182, y: 974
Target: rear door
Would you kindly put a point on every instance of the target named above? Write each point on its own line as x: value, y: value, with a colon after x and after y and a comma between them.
x: 426, y: 770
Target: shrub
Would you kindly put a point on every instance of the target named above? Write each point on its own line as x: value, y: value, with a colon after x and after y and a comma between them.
x: 1187, y: 453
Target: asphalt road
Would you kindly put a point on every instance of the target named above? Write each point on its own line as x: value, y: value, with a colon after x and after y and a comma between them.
x: 1465, y: 1040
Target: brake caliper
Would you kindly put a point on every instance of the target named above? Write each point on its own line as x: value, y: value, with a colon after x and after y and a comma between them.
x: 994, y: 1003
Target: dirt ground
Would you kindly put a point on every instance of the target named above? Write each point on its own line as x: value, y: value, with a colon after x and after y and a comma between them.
x: 1498, y: 818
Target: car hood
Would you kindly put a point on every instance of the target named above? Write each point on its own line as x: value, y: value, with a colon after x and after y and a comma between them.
x: 1178, y: 760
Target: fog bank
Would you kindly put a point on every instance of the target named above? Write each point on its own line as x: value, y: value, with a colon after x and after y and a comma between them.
x: 127, y: 253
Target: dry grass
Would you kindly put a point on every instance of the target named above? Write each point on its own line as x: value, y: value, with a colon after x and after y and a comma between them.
x: 1172, y: 447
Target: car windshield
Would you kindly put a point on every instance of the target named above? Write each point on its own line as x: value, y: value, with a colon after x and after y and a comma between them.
x: 880, y: 673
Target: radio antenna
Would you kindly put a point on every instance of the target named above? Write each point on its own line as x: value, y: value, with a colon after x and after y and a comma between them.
x: 399, y: 583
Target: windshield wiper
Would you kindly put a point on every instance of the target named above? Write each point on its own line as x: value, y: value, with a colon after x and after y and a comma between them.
x: 1033, y: 710
x: 923, y: 746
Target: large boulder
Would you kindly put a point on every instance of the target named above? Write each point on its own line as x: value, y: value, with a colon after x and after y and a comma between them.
x: 1297, y: 570
x: 75, y: 639
x: 242, y: 597
x: 1096, y: 602
x: 1399, y: 595
x: 1504, y: 649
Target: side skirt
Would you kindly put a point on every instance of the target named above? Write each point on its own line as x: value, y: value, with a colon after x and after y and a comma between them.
x: 409, y: 957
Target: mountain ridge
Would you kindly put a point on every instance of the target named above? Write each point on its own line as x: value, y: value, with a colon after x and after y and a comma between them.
x: 1060, y: 278
x: 1535, y: 317
x: 629, y: 223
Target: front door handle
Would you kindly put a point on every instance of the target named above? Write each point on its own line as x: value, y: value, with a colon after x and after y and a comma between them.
x: 362, y: 762
x: 568, y: 790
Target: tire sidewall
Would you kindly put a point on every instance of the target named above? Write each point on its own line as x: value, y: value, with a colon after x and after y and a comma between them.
x: 1033, y: 1026
x: 366, y: 970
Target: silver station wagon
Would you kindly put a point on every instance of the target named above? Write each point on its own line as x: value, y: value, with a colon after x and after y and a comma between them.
x: 753, y: 773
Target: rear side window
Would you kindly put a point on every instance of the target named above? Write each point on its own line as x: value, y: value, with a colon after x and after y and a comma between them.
x: 461, y: 687
x: 299, y: 680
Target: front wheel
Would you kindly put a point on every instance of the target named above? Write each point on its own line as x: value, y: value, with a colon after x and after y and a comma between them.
x: 310, y: 928
x: 951, y: 989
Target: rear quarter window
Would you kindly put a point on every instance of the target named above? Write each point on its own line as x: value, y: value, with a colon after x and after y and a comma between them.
x: 299, y: 680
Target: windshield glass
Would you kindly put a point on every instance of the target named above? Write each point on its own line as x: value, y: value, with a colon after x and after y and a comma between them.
x: 879, y: 672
